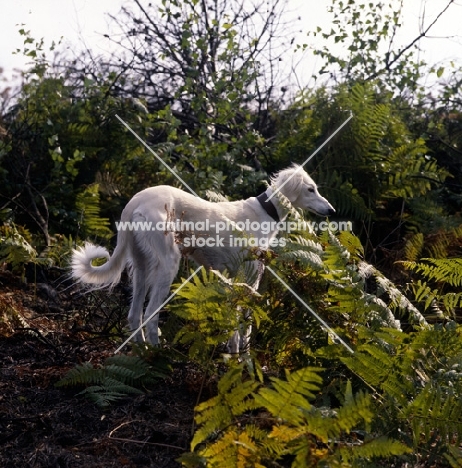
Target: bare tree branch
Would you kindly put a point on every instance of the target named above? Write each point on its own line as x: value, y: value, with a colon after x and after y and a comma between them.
x: 389, y: 64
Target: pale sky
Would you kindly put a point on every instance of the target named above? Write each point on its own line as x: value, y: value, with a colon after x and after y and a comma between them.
x: 85, y: 20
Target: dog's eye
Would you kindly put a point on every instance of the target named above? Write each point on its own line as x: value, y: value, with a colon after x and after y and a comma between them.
x: 311, y: 189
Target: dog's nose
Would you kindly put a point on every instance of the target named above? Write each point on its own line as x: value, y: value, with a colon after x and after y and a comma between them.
x: 331, y: 211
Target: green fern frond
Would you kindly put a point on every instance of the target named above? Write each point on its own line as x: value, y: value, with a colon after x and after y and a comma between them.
x: 306, y: 251
x: 451, y: 301
x: 79, y: 128
x: 336, y: 256
x: 414, y: 246
x: 351, y: 415
x: 381, y: 448
x: 119, y: 376
x: 413, y: 179
x: 349, y: 202
x: 109, y: 391
x: 329, y: 426
x: 454, y: 457
x: 84, y: 374
x: 434, y: 409
x: 298, y: 429
x: 352, y: 243
x: 428, y: 216
x: 425, y: 403
x: 444, y: 273
x: 233, y: 450
x: 88, y: 206
x: 131, y: 370
x: 16, y: 249
x: 375, y: 365
x: 346, y: 275
x: 233, y: 399
x: 343, y: 194
x: 444, y: 270
x: 288, y: 399
x: 212, y: 307
x: 424, y: 293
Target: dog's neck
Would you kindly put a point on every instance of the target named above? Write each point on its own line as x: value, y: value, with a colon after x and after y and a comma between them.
x: 268, y: 206
x: 272, y: 207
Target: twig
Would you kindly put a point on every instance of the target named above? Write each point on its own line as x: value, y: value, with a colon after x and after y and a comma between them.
x: 133, y: 441
x: 388, y: 65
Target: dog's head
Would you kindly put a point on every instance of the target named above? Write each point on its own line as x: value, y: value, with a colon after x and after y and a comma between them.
x: 301, y: 190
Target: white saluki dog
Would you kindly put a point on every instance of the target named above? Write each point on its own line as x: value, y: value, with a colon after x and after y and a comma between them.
x: 153, y: 255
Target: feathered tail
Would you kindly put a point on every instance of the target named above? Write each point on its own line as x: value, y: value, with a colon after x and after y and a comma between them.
x: 104, y: 275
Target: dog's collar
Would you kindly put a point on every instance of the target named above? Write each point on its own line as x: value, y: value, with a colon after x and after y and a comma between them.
x: 268, y: 206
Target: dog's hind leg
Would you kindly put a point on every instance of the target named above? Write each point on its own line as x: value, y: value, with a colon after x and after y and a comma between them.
x: 159, y: 283
x: 135, y: 314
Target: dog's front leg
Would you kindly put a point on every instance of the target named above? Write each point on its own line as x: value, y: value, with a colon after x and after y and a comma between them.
x: 245, y: 332
x: 233, y: 344
x: 240, y: 340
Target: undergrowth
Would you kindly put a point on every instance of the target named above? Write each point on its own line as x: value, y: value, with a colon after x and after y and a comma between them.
x: 117, y: 377
x: 300, y: 397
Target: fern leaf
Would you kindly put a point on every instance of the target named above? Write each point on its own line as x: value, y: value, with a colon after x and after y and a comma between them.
x: 454, y: 457
x: 118, y: 377
x: 110, y: 390
x: 130, y: 369
x: 375, y: 366
x: 233, y: 399
x: 81, y: 375
x: 288, y: 399
x: 414, y: 246
x: 233, y: 450
x: 446, y: 270
x: 382, y: 447
x: 88, y: 206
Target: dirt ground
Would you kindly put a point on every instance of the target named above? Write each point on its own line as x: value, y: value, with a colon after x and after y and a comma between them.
x: 45, y: 330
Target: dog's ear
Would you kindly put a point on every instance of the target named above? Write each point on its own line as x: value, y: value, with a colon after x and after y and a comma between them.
x: 292, y: 179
